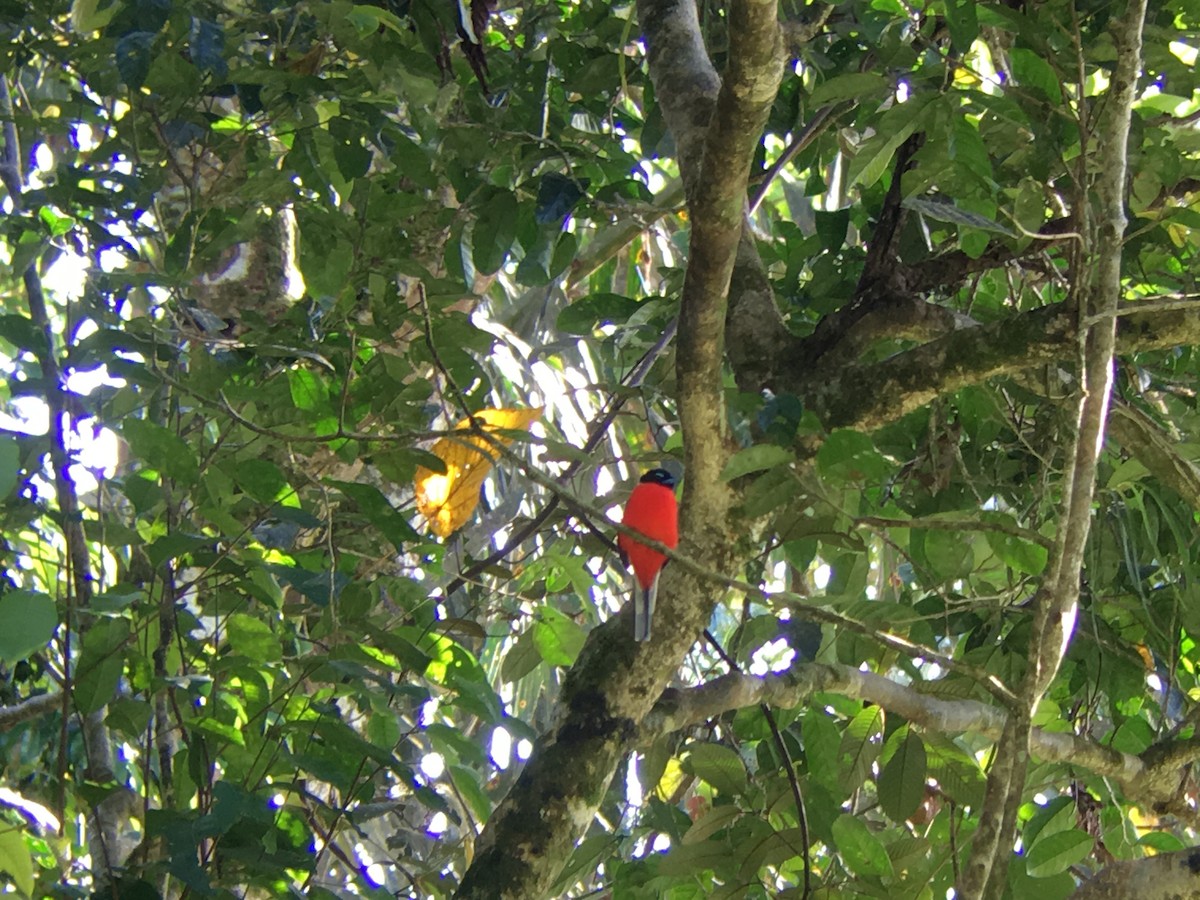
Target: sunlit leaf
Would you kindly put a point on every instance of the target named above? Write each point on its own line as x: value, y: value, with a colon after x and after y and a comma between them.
x: 448, y: 500
x: 15, y: 858
x: 558, y: 638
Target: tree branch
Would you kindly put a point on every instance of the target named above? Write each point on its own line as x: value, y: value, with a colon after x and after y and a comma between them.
x: 1167, y: 876
x: 29, y: 708
x: 1098, y: 282
x: 105, y: 822
x: 1151, y: 778
x: 613, y: 683
x: 867, y: 397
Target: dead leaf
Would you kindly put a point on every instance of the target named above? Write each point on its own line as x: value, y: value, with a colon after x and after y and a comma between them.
x: 448, y: 500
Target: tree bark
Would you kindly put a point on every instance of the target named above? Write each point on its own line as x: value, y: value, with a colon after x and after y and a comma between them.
x: 614, y: 683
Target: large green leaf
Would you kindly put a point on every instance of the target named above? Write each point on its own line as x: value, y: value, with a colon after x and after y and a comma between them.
x: 719, y: 766
x: 101, y: 664
x: 1057, y: 852
x: 860, y: 849
x: 902, y: 780
x: 27, y: 622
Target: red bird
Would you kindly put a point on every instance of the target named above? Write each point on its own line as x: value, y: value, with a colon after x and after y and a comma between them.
x: 651, y: 510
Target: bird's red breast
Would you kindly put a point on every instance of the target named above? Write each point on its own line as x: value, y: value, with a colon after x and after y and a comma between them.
x: 652, y: 510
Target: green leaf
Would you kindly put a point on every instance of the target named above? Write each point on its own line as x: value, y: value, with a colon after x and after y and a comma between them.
x: 558, y: 639
x: 134, y: 57
x: 352, y: 158
x: 1031, y: 71
x: 584, y: 859
x: 949, y: 554
x: 15, y: 858
x: 1029, y: 207
x: 963, y: 24
x: 875, y: 154
x: 309, y: 392
x: 1057, y: 815
x: 383, y: 730
x: 862, y: 743
x: 534, y: 268
x: 493, y: 233
x: 19, y: 330
x: 101, y: 664
x: 209, y: 725
x: 207, y: 45
x: 379, y: 510
x: 161, y: 449
x: 821, y: 745
x: 718, y: 766
x: 253, y: 638
x: 713, y: 821
x: 832, y: 227
x: 175, y: 545
x: 27, y: 623
x: 755, y: 459
x: 957, y: 773
x: 692, y: 860
x: 945, y: 211
x: 1162, y: 842
x: 1133, y: 736
x: 1057, y: 852
x: 1018, y: 553
x: 261, y: 479
x: 55, y: 224
x: 851, y: 456
x: 522, y: 658
x: 851, y: 86
x: 861, y: 851
x: 468, y: 787
x: 557, y: 196
x: 583, y: 316
x: 902, y: 781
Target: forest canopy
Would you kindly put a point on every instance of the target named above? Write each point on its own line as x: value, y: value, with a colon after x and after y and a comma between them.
x: 335, y: 337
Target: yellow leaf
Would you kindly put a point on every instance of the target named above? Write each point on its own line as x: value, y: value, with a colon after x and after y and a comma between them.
x: 448, y: 500
x: 672, y: 777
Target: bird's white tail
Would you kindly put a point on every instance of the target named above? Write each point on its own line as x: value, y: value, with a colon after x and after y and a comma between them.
x: 643, y: 609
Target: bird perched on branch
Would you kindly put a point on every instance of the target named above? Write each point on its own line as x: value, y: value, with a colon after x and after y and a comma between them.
x: 652, y: 511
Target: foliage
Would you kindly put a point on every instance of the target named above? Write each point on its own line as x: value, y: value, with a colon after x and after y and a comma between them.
x: 284, y: 249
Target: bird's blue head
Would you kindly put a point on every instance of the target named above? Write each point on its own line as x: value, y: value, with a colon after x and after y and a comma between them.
x: 659, y: 476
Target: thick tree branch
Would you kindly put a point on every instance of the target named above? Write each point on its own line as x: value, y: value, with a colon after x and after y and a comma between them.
x: 1097, y: 285
x: 614, y: 684
x: 1151, y: 779
x: 867, y: 397
x: 1168, y: 876
x: 950, y: 269
x: 30, y: 708
x: 683, y: 708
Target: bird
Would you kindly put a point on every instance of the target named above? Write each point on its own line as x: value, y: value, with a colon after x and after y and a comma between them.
x: 652, y: 511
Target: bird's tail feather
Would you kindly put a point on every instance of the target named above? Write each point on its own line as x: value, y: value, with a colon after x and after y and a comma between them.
x: 643, y: 609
